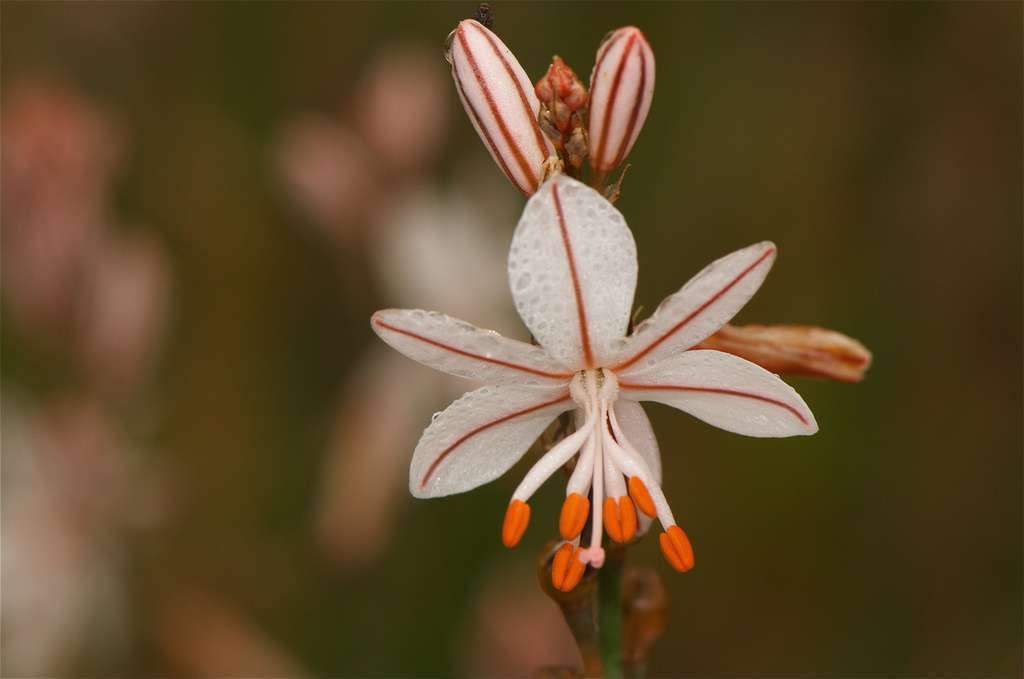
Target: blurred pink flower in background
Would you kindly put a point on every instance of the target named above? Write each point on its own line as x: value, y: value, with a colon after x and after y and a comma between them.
x: 326, y: 170
x: 124, y: 309
x: 67, y: 272
x: 59, y: 154
x: 340, y: 173
x: 90, y: 302
x: 402, y: 107
x: 514, y: 629
x: 205, y: 636
x: 68, y: 476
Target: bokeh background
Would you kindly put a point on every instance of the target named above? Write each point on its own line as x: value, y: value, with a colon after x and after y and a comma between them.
x: 205, y: 448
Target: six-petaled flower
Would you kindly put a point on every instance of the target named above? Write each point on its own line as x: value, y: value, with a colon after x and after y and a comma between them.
x: 572, y: 271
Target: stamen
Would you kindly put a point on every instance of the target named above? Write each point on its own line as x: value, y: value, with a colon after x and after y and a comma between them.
x: 620, y: 519
x: 566, y: 569
x: 674, y: 543
x: 613, y: 483
x: 676, y: 548
x: 583, y: 474
x: 574, y: 516
x: 616, y: 487
x: 517, y: 517
x: 612, y: 523
x: 631, y: 463
x: 627, y: 516
x: 552, y: 460
x: 642, y: 498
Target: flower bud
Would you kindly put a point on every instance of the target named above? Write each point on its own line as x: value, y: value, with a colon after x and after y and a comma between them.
x: 794, y: 350
x: 562, y: 92
x: 501, y: 103
x: 621, y: 89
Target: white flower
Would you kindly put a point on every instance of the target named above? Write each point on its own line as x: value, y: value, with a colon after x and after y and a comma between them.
x: 573, y: 270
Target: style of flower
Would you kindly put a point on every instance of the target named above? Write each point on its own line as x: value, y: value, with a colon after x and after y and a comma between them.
x: 573, y: 271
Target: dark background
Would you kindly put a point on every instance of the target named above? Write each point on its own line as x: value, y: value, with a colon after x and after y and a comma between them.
x: 878, y: 144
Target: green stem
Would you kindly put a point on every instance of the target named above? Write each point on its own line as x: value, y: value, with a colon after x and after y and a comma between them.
x: 609, y: 613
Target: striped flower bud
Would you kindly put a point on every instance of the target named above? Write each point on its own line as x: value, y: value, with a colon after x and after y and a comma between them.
x: 501, y: 103
x: 621, y: 89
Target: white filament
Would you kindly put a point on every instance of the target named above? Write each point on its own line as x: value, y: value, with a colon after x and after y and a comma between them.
x: 615, y: 485
x: 549, y: 463
x: 581, y: 477
x: 631, y: 463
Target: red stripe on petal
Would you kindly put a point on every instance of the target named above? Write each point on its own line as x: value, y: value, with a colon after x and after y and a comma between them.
x: 696, y: 312
x: 716, y: 390
x: 484, y: 427
x: 486, y: 359
x: 484, y: 131
x: 588, y: 354
x: 530, y: 113
x: 638, y: 101
x: 517, y: 153
x: 610, y: 105
x: 601, y: 54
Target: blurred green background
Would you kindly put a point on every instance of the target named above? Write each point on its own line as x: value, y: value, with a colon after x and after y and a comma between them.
x: 878, y: 144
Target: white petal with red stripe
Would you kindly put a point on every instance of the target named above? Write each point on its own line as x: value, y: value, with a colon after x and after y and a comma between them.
x: 480, y: 436
x: 702, y: 306
x: 459, y: 348
x: 500, y: 101
x: 621, y: 90
x: 572, y: 269
x: 725, y: 391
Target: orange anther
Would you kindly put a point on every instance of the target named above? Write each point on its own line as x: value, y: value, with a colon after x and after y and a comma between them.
x: 676, y: 548
x: 612, y: 523
x: 620, y: 519
x: 575, y: 574
x: 567, y: 570
x: 642, y: 498
x: 560, y: 566
x: 574, y: 516
x: 627, y: 517
x: 517, y: 516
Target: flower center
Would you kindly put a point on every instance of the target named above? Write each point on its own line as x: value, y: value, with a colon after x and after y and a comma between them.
x: 594, y: 386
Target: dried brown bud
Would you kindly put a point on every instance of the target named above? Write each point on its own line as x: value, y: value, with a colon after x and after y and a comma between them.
x: 644, y: 613
x: 795, y: 350
x: 576, y: 146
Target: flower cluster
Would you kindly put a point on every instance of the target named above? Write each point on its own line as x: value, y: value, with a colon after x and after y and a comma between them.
x: 572, y: 271
x: 524, y: 126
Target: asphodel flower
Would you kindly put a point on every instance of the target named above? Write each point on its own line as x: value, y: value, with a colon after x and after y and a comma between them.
x: 573, y: 270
